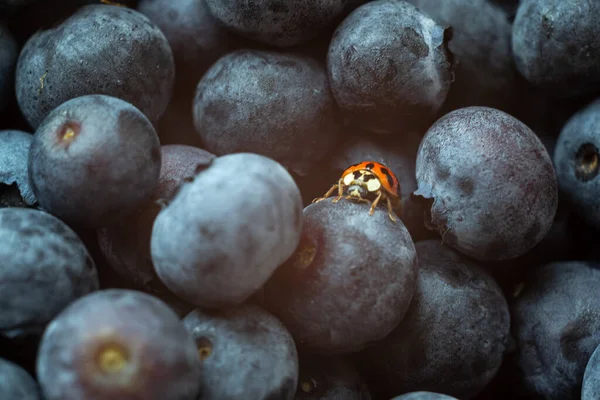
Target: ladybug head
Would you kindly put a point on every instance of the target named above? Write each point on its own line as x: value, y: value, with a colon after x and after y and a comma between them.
x: 357, y: 191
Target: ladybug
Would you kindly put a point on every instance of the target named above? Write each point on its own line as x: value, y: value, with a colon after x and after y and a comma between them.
x: 369, y: 182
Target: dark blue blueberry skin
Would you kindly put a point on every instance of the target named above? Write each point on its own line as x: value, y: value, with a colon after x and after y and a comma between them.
x: 350, y: 281
x: 118, y: 52
x: 388, y: 85
x: 16, y: 383
x: 226, y: 232
x: 490, y: 183
x: 277, y: 23
x: 481, y: 40
x: 591, y: 383
x: 14, y: 150
x: 556, y: 47
x: 246, y: 353
x: 557, y: 328
x: 577, y: 162
x: 275, y: 104
x: 45, y: 266
x: 195, y: 36
x: 330, y: 378
x: 118, y: 344
x: 424, y: 396
x: 453, y: 338
x: 8, y: 61
x: 126, y: 245
x: 94, y: 160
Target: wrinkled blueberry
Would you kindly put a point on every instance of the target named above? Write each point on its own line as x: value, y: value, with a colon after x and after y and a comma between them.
x: 481, y: 42
x: 16, y: 383
x: 591, y: 383
x: 350, y: 281
x: 225, y: 232
x: 246, y: 353
x: 424, y: 396
x: 556, y: 47
x: 276, y: 22
x: 94, y: 160
x: 14, y: 150
x: 44, y: 267
x: 557, y: 327
x: 126, y: 244
x: 118, y: 344
x: 117, y: 52
x: 577, y: 162
x: 454, y: 336
x: 8, y: 60
x: 491, y: 182
x: 275, y: 104
x: 330, y: 378
x: 389, y: 66
x: 196, y: 38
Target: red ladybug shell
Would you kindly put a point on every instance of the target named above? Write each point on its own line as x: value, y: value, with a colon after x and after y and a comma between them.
x: 387, y: 178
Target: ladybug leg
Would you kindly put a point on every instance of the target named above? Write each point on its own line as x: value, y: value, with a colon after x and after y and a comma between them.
x: 340, y: 192
x: 329, y: 192
x: 359, y: 199
x: 390, y: 209
x: 375, y: 202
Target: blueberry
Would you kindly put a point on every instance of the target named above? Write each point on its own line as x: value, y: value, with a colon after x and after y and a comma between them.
x: 14, y: 150
x: 126, y: 244
x: 389, y: 66
x: 94, y: 160
x: 481, y: 40
x: 591, y: 384
x: 118, y: 344
x: 16, y: 383
x: 454, y: 336
x: 350, y: 281
x: 196, y: 38
x: 225, y: 232
x: 8, y: 60
x: 577, y: 162
x: 117, y: 52
x: 330, y: 378
x: 555, y: 45
x: 45, y: 266
x: 557, y: 328
x: 246, y: 353
x: 275, y: 104
x: 277, y: 22
x: 491, y: 181
x: 424, y: 396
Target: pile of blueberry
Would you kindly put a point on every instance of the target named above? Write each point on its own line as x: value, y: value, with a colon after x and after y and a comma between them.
x: 299, y: 199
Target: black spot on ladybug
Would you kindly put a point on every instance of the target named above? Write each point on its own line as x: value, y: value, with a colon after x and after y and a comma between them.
x: 370, y: 166
x: 388, y: 176
x: 357, y: 174
x: 367, y: 178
